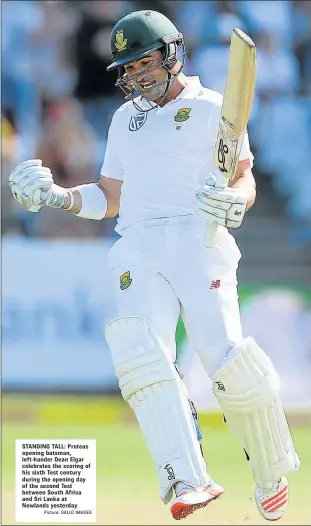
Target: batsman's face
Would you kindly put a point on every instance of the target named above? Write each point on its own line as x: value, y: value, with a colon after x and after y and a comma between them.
x: 148, y: 76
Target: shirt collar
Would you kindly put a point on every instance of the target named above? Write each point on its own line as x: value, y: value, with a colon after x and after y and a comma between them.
x: 191, y: 91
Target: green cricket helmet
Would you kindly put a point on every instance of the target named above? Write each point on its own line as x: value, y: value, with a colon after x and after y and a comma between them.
x: 137, y: 35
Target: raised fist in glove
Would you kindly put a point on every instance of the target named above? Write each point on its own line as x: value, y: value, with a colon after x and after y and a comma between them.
x: 27, y: 181
x: 224, y: 206
x: 32, y: 185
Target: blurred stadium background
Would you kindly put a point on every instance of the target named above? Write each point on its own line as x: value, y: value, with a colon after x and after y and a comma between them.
x: 57, y: 378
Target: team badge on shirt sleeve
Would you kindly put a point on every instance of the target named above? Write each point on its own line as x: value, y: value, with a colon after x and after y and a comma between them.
x: 182, y: 115
x: 125, y: 280
x: 137, y: 121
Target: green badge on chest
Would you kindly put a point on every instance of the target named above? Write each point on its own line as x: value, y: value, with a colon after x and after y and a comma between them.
x: 182, y: 115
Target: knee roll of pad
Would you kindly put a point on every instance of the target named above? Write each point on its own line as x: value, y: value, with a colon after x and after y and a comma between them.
x: 153, y: 388
x: 247, y: 388
x: 137, y: 354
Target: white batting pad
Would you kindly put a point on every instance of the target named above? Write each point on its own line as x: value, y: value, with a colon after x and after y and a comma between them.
x: 151, y: 385
x: 247, y: 388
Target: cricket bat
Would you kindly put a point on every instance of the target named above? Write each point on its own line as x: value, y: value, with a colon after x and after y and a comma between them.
x: 235, y: 111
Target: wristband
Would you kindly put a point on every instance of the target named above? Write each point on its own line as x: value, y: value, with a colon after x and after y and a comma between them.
x: 94, y: 202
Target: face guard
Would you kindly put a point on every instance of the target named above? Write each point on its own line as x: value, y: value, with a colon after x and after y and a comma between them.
x: 172, y: 52
x: 136, y: 36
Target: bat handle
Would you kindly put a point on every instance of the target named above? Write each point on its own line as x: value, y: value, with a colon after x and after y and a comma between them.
x: 210, y: 236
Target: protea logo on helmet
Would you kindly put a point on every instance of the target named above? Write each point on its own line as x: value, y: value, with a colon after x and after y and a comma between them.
x: 182, y: 115
x: 120, y: 42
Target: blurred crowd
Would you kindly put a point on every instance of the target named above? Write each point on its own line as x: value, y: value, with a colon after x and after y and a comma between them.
x: 58, y: 99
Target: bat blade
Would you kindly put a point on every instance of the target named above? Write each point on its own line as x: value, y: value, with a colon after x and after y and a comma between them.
x: 237, y: 103
x: 235, y: 111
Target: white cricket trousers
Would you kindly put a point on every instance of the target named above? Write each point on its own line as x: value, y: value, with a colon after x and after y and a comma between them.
x: 167, y: 272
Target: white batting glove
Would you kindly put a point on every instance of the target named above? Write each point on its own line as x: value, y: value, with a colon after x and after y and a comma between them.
x: 223, y: 206
x: 32, y: 185
x: 25, y: 181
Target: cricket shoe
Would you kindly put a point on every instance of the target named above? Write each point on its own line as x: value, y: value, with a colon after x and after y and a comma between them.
x: 272, y: 503
x: 190, y: 500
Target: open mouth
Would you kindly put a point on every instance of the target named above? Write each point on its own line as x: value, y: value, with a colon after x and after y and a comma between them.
x: 147, y: 85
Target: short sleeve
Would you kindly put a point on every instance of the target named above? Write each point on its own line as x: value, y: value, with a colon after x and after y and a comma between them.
x: 112, y: 165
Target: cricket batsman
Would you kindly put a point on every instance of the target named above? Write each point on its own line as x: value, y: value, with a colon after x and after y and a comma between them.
x: 158, y: 175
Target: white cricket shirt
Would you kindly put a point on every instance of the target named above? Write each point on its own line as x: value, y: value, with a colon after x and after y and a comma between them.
x: 163, y: 156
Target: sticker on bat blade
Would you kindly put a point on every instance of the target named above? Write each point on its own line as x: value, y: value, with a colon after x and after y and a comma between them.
x: 223, y: 150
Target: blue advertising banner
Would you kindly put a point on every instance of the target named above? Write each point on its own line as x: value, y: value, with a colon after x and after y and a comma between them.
x: 57, y: 300
x: 55, y: 303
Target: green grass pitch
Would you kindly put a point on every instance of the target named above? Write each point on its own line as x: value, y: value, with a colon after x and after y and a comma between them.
x: 127, y: 488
